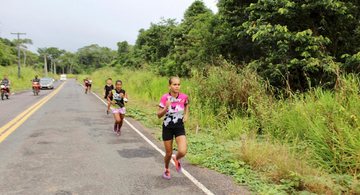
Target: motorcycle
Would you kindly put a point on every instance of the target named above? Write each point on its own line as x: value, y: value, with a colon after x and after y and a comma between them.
x: 36, y: 88
x: 4, y: 92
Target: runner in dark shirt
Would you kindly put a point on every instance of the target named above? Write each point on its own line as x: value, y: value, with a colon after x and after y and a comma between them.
x: 119, y: 97
x: 86, y: 81
x: 108, y: 87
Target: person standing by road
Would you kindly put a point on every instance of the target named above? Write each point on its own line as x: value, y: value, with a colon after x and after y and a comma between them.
x: 173, y: 105
x: 108, y: 87
x: 119, y: 97
x: 86, y: 81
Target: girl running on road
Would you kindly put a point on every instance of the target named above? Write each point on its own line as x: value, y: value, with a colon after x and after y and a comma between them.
x: 108, y: 87
x: 119, y: 96
x: 173, y: 105
x: 86, y: 81
x: 89, y: 87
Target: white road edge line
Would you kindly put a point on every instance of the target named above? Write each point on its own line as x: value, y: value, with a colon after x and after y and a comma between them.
x: 187, y: 174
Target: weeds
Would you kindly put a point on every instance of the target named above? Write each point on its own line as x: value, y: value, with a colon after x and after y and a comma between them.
x: 306, y: 144
x: 23, y: 83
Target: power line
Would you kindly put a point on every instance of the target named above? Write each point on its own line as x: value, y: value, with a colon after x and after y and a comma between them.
x: 8, y: 27
x: 3, y: 30
x: 4, y: 27
x: 18, y: 45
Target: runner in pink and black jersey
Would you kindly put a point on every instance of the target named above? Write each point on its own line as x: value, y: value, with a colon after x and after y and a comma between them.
x: 173, y: 105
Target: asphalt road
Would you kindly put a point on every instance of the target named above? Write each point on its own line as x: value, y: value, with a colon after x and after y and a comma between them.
x: 68, y: 146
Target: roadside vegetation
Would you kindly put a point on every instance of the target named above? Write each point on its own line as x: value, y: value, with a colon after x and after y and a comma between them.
x: 27, y: 74
x: 306, y: 144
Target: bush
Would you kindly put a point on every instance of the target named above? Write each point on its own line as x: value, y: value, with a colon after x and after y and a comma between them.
x: 229, y: 91
x: 19, y: 84
x: 309, y: 142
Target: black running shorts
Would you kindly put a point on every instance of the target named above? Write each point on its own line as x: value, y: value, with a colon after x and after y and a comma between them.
x: 168, y: 133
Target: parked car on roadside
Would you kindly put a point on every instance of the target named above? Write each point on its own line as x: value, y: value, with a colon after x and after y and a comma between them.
x: 46, y: 83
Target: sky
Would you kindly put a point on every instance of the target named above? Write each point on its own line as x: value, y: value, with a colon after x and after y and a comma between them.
x: 72, y: 24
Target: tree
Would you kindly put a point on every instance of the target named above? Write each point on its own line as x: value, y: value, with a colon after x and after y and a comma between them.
x: 174, y: 49
x: 32, y: 58
x: 155, y: 43
x: 232, y: 41
x: 54, y: 53
x: 194, y: 41
x: 69, y: 61
x: 195, y: 9
x: 7, y: 55
x: 43, y: 53
x: 23, y: 47
x: 299, y: 40
x: 93, y: 57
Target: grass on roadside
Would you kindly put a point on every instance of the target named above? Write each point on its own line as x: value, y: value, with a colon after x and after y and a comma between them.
x: 270, y: 146
x: 27, y: 74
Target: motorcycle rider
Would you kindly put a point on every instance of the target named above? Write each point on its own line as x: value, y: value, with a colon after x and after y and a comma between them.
x: 36, y: 80
x: 6, y: 82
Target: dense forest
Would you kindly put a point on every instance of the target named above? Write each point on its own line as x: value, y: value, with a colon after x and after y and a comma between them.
x: 85, y: 60
x: 292, y: 44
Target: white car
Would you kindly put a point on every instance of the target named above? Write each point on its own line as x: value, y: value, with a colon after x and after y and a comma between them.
x: 63, y: 77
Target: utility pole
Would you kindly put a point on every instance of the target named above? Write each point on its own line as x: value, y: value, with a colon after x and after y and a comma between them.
x: 45, y: 65
x: 55, y: 67
x: 18, y: 45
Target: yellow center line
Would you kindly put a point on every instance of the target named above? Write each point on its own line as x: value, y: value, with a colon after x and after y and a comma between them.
x: 21, y: 118
x: 9, y: 124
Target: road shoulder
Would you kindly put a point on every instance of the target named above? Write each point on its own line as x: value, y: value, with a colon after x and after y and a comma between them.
x: 216, y: 182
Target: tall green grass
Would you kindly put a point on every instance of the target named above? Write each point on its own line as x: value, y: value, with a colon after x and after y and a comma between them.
x: 311, y: 140
x: 323, y: 120
x: 27, y: 74
x: 23, y: 83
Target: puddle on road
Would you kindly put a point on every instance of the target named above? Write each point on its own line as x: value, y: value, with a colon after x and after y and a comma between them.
x: 95, y: 135
x: 122, y: 141
x: 84, y: 120
x: 44, y: 142
x: 137, y: 153
x: 72, y: 110
x: 36, y: 134
x: 28, y: 153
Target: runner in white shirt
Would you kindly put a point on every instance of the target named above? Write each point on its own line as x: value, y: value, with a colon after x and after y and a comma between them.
x: 89, y: 88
